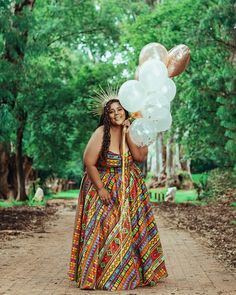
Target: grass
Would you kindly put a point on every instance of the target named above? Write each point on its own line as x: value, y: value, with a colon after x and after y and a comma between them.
x: 11, y: 203
x: 197, y: 176
x: 180, y: 197
x: 71, y: 194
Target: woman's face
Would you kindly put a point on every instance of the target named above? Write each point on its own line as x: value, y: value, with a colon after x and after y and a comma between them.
x: 116, y: 113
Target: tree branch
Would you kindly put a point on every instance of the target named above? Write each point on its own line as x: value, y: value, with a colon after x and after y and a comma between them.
x: 75, y: 33
x: 229, y: 45
x: 20, y: 6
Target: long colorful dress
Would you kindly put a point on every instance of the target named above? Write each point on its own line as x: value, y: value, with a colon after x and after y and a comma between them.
x: 108, y: 254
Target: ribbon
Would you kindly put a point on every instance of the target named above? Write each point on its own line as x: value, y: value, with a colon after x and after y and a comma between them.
x: 123, y: 202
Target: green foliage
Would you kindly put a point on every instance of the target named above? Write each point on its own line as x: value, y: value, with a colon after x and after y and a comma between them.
x: 219, y: 182
x: 51, y: 62
x: 201, y: 186
x: 204, y: 109
x: 197, y: 177
x: 215, y: 183
x: 53, y: 57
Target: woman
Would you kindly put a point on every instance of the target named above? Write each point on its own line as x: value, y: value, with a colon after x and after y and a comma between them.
x: 115, y: 246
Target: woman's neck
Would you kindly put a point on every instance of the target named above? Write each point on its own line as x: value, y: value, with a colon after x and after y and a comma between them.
x: 116, y: 129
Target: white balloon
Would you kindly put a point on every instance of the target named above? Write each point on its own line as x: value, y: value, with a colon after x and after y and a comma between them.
x: 152, y: 74
x: 157, y: 98
x: 168, y: 89
x: 163, y: 124
x: 132, y: 95
x: 155, y: 112
x: 142, y: 132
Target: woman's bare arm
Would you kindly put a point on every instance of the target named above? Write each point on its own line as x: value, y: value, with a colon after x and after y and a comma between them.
x: 138, y: 153
x: 91, y: 155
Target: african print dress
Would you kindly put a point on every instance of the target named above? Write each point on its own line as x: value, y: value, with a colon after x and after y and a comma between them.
x: 107, y: 254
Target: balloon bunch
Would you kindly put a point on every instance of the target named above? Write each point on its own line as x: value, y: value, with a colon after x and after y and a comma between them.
x: 152, y: 91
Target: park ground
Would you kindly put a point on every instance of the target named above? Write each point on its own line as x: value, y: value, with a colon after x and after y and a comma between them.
x: 35, y: 260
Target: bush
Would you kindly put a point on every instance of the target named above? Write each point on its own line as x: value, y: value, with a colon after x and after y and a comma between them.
x: 201, y: 186
x: 218, y: 182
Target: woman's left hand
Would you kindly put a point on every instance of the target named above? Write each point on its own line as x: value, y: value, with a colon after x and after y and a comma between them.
x: 126, y: 125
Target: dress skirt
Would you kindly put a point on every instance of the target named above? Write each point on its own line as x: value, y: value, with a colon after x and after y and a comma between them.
x: 109, y: 252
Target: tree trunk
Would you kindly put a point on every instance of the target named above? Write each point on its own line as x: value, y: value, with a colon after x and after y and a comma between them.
x: 21, y: 194
x: 150, y: 159
x: 14, y: 54
x: 159, y: 158
x: 4, y: 169
x: 169, y: 161
x: 152, y: 3
x: 185, y: 164
x: 12, y: 179
x: 177, y: 164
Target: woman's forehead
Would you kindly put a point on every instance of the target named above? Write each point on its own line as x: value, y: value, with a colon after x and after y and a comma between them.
x: 115, y: 105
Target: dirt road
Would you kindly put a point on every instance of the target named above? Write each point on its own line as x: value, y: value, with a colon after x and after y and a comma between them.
x: 38, y: 264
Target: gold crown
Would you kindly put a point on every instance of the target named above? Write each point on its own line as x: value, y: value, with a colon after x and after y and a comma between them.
x: 101, y: 99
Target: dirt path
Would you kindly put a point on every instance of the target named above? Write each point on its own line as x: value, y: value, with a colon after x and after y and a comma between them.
x: 38, y: 264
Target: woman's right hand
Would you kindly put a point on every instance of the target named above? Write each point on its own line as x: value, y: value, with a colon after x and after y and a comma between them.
x: 104, y: 196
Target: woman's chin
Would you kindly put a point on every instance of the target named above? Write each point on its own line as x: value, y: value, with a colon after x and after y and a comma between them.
x: 118, y: 123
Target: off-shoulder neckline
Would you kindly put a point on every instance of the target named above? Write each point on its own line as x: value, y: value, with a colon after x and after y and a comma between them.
x: 118, y: 153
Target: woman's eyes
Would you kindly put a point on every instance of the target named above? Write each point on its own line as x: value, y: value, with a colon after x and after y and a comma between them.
x: 114, y: 111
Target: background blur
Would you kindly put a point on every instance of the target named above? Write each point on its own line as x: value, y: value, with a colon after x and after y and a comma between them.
x: 54, y: 54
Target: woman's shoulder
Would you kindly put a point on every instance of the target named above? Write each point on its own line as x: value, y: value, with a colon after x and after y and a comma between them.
x: 95, y: 142
x: 99, y: 130
x: 97, y: 135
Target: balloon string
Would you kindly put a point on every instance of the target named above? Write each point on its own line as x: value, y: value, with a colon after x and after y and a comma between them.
x: 122, y: 211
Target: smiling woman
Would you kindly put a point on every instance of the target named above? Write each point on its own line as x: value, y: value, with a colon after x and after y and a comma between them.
x: 116, y: 243
x: 116, y: 114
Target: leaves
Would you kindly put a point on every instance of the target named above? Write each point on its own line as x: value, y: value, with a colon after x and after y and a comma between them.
x: 204, y: 108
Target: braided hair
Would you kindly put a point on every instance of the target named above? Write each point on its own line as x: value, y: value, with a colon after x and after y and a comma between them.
x: 105, y: 120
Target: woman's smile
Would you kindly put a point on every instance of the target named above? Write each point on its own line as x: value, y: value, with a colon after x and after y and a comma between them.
x: 116, y: 113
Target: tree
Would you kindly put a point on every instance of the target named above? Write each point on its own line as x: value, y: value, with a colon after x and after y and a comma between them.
x: 204, y: 107
x: 43, y: 57
x: 16, y: 37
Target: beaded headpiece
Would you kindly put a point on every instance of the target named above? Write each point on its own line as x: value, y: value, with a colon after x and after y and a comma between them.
x: 101, y: 99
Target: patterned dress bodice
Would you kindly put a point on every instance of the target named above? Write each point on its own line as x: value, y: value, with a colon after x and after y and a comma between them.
x: 114, y: 162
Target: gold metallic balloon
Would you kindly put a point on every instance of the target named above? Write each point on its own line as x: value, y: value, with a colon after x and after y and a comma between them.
x: 153, y: 50
x: 178, y: 60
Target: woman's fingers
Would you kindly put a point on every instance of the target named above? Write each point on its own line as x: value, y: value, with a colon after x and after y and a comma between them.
x: 106, y: 198
x: 126, y: 123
